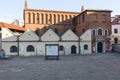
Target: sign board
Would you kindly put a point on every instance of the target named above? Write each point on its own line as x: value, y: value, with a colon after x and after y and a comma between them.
x: 52, y: 51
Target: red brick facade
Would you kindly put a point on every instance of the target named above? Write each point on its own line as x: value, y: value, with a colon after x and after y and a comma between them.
x: 41, y: 19
x: 100, y: 23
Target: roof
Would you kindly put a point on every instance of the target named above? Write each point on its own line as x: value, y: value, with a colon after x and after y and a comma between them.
x: 95, y: 10
x: 116, y: 20
x: 56, y: 11
x: 102, y: 10
x: 11, y: 26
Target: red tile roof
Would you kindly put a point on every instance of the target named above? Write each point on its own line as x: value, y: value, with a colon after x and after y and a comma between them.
x: 11, y: 26
x: 116, y: 20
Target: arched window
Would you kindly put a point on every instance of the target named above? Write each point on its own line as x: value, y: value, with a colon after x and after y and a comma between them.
x: 115, y: 30
x: 70, y: 16
x: 58, y: 18
x: 33, y: 18
x: 42, y: 18
x: 30, y: 48
x: 13, y: 49
x: 83, y: 18
x: 46, y: 15
x: 106, y: 32
x: 38, y: 19
x: 94, y: 32
x: 29, y: 18
x: 54, y: 18
x: 115, y: 40
x: 85, y: 47
x: 99, y: 31
x: 66, y: 17
x: 104, y: 17
x: 61, y: 48
x: 50, y: 19
x: 62, y: 18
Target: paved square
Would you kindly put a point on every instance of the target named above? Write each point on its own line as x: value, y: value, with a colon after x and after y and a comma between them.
x: 72, y: 67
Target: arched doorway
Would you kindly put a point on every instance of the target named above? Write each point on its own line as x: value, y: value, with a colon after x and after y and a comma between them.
x: 99, y: 47
x: 73, y: 49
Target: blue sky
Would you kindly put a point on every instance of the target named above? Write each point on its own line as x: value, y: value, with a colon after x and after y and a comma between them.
x: 13, y: 9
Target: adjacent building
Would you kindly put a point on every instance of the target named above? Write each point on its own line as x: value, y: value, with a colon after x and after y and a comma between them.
x: 115, y: 37
x: 17, y: 30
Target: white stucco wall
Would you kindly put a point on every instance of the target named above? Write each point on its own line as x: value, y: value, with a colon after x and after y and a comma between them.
x: 69, y: 36
x: 50, y: 35
x: 115, y: 35
x: 82, y: 50
x: 29, y: 36
x: 86, y: 36
x: 39, y: 48
x: 67, y: 47
x: 7, y: 35
x: 69, y: 39
x: 6, y: 47
x: 86, y: 39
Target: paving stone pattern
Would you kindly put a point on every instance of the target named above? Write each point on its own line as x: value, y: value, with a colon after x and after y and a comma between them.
x: 71, y: 67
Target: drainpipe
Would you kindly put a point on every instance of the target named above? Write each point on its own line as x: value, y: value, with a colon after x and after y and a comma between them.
x: 79, y: 44
x: 18, y: 45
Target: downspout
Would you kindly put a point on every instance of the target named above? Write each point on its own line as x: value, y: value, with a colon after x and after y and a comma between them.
x: 18, y: 45
x: 79, y: 44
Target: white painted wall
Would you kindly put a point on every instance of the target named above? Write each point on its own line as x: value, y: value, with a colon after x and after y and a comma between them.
x: 6, y: 47
x: 50, y: 35
x: 7, y: 35
x: 29, y: 36
x: 115, y: 35
x: 38, y: 46
x: 86, y: 39
x: 82, y: 50
x: 69, y: 36
x: 67, y: 47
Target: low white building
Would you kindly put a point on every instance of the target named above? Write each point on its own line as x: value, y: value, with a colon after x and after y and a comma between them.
x: 30, y: 44
x: 115, y: 33
x: 116, y: 29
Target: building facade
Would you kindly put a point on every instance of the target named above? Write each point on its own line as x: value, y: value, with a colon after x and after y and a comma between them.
x: 116, y: 29
x: 30, y: 44
x: 115, y: 36
x: 41, y: 20
x: 100, y: 23
x: 17, y: 30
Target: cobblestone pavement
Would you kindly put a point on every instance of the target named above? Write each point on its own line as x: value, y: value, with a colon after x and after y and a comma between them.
x: 72, y: 67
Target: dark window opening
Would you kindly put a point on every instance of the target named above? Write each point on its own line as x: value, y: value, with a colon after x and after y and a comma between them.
x: 13, y: 49
x: 61, y: 48
x: 30, y: 48
x: 85, y: 47
x: 115, y: 40
x: 115, y: 30
x: 93, y: 32
x: 100, y: 32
